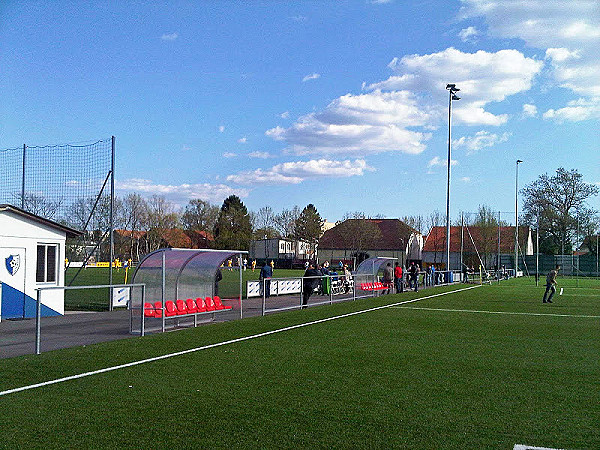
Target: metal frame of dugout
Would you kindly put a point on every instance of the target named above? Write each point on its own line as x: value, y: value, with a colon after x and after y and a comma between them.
x: 177, y: 273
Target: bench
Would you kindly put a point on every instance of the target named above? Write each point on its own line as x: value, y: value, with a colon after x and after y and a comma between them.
x: 377, y: 286
x: 188, y: 308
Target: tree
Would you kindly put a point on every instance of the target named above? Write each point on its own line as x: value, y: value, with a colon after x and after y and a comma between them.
x: 560, y: 202
x: 415, y: 222
x: 359, y: 234
x: 233, y: 229
x: 264, y: 223
x: 436, y: 219
x: 199, y: 215
x: 309, y: 226
x: 133, y: 216
x: 160, y: 217
x: 486, y: 222
x: 285, y: 222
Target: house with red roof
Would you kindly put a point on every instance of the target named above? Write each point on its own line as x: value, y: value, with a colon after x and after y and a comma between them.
x: 354, y: 240
x: 477, y: 245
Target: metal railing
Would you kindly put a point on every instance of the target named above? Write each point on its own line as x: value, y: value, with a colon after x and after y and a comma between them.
x: 38, y: 312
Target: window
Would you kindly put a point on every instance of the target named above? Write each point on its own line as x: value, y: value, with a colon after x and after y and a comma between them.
x: 46, y: 263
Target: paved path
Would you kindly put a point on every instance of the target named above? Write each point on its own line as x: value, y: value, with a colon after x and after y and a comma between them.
x: 17, y: 337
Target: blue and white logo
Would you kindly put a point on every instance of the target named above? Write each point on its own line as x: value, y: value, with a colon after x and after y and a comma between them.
x: 13, y: 262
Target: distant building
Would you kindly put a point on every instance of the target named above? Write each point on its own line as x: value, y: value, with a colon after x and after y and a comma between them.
x: 476, y: 243
x: 284, y: 252
x: 355, y: 240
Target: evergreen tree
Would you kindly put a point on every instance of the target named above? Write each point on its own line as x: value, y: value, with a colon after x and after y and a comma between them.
x: 309, y: 226
x: 233, y: 229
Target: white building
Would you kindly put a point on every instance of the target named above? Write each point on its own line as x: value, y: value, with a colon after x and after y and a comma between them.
x: 32, y: 255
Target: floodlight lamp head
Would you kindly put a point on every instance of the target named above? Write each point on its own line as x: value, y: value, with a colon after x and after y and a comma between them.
x: 519, y: 161
x: 454, y: 97
x: 451, y: 86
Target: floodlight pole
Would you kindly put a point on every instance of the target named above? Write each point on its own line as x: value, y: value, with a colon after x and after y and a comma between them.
x: 452, y: 90
x: 517, y: 217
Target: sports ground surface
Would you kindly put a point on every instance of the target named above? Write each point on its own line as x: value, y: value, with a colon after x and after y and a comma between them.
x: 476, y: 367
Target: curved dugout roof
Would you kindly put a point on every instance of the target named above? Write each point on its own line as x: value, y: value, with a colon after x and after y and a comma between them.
x: 188, y: 273
x: 372, y: 265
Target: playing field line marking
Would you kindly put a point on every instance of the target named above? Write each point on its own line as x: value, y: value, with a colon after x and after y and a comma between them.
x: 500, y: 312
x: 219, y: 344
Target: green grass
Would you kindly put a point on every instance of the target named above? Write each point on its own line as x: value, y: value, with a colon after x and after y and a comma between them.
x: 396, y: 377
x: 91, y: 299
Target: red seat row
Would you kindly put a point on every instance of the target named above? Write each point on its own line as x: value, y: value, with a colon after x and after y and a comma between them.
x: 377, y: 286
x: 189, y: 306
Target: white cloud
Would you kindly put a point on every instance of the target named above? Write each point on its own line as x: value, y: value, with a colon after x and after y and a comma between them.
x: 483, y: 77
x: 313, y: 76
x: 298, y: 171
x: 359, y: 124
x: 468, y: 34
x: 379, y: 2
x: 529, y: 110
x: 569, y: 30
x: 262, y: 155
x: 466, y: 179
x: 181, y: 194
x: 221, y: 128
x: 298, y: 19
x: 285, y: 115
x: 437, y: 161
x: 576, y: 111
x: 229, y: 155
x: 169, y: 37
x: 243, y: 140
x: 481, y: 139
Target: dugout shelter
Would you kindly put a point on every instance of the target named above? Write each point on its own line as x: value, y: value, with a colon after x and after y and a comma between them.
x: 171, y: 274
x: 32, y: 252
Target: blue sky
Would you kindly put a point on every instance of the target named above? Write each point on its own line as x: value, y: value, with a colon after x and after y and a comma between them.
x: 338, y: 103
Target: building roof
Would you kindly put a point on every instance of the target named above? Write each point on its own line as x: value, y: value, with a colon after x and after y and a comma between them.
x: 70, y: 232
x: 393, y: 235
x: 483, y: 238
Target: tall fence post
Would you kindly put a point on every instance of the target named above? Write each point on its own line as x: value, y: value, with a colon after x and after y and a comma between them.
x: 264, y: 296
x: 330, y: 283
x: 38, y: 322
x: 111, y: 218
x: 23, y: 179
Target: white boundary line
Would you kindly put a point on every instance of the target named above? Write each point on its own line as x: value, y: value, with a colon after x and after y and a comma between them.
x: 219, y: 344
x: 499, y: 312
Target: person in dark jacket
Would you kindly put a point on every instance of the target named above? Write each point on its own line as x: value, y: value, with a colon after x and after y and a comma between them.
x: 309, y: 283
x: 266, y: 273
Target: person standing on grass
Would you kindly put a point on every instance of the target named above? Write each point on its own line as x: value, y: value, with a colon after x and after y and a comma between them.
x: 266, y: 273
x: 309, y: 283
x: 414, y: 276
x: 398, y: 278
x: 388, y: 278
x: 551, y: 284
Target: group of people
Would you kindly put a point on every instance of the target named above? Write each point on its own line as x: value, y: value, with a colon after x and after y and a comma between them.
x: 313, y: 276
x: 395, y: 277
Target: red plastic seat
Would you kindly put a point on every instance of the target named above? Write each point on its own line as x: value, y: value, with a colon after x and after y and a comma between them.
x: 148, y: 310
x: 210, y: 304
x: 200, y: 306
x: 171, y: 309
x: 181, y: 308
x: 158, y: 309
x: 191, y: 306
x: 219, y: 304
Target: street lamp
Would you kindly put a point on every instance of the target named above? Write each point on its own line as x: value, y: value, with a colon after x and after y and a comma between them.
x: 452, y: 89
x: 517, y: 218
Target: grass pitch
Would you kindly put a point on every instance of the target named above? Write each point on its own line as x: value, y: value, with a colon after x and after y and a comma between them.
x: 488, y: 367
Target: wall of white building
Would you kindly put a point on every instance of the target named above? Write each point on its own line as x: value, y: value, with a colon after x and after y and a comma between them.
x: 20, y: 240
